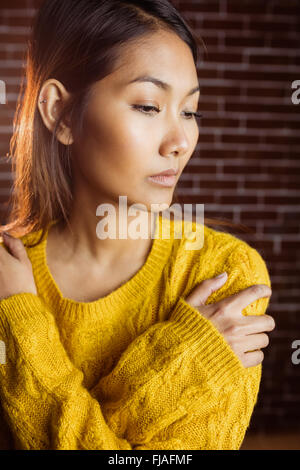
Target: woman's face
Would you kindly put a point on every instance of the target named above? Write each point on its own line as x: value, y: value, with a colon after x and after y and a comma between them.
x: 123, y: 145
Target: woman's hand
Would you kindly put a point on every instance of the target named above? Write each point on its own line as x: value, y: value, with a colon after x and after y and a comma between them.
x: 16, y: 275
x: 242, y: 333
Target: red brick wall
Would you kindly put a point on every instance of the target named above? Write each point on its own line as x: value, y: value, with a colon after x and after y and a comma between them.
x: 246, y: 165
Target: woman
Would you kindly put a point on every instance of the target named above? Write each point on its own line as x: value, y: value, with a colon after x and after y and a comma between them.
x: 112, y: 343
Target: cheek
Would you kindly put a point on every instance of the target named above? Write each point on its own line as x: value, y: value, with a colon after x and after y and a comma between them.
x: 117, y: 147
x: 124, y: 137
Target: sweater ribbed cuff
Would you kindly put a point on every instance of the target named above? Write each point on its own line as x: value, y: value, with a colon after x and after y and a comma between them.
x: 214, y: 353
x: 18, y: 309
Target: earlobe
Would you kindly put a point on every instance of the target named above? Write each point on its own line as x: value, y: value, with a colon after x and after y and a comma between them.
x: 64, y: 136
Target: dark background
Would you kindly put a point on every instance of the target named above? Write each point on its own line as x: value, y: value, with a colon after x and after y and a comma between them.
x: 245, y: 168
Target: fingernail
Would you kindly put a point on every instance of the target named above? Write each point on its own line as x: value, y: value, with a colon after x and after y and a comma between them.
x: 221, y: 275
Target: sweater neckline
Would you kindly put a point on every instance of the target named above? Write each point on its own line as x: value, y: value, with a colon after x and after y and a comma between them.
x: 128, y: 292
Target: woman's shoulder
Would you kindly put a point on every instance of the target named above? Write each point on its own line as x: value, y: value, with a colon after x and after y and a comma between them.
x: 212, y: 252
x: 200, y: 242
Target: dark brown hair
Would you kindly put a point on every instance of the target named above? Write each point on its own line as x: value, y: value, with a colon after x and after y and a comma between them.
x: 77, y: 42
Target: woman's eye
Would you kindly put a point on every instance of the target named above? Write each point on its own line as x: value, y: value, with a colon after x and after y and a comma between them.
x: 196, y: 115
x: 142, y: 108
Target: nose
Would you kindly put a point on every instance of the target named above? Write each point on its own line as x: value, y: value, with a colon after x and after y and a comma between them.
x: 175, y: 143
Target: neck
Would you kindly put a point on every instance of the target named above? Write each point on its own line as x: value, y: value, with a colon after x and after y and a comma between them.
x: 83, y: 237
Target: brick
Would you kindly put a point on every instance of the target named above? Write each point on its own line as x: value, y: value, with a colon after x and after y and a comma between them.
x: 224, y: 214
x: 10, y: 72
x: 19, y: 4
x: 219, y: 90
x: 6, y: 184
x: 289, y: 299
x: 285, y: 8
x: 283, y: 200
x: 206, y: 138
x: 208, y: 105
x: 284, y: 43
x: 242, y: 42
x: 215, y: 153
x: 281, y: 140
x: 207, y: 122
x: 271, y: 124
x: 219, y: 25
x: 270, y: 25
x: 184, y: 184
x: 238, y: 199
x: 261, y: 108
x: 264, y: 185
x: 246, y: 7
x: 267, y: 92
x: 274, y: 59
x: 4, y: 198
x: 292, y: 246
x: 258, y: 215
x: 282, y: 229
x: 24, y: 21
x: 283, y: 76
x: 5, y: 167
x: 196, y: 199
x: 264, y: 155
x: 19, y: 38
x: 280, y: 170
x: 12, y: 55
x: 210, y: 169
x: 241, y: 139
x: 224, y: 57
x: 209, y: 73
x: 246, y: 169
x: 199, y: 7
x: 216, y: 184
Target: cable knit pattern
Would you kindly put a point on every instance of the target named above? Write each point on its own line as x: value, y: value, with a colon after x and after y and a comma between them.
x: 137, y: 369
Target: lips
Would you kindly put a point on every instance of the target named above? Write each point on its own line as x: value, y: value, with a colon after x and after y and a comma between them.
x: 170, y: 172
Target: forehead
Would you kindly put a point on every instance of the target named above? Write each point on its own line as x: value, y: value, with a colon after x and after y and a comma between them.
x: 163, y: 55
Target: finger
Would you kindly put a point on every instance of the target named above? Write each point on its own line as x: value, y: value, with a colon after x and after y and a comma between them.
x: 3, y: 253
x: 258, y: 323
x: 247, y: 296
x: 254, y: 358
x: 15, y: 246
x: 200, y: 293
x: 256, y: 341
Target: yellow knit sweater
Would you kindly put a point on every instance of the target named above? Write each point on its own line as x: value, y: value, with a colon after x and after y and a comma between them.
x: 137, y: 369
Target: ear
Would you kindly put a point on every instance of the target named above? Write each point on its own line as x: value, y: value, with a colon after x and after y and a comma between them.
x: 53, y: 96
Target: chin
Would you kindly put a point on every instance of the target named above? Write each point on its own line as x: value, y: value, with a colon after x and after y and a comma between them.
x: 152, y: 201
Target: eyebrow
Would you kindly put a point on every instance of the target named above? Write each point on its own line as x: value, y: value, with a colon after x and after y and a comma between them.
x: 163, y: 85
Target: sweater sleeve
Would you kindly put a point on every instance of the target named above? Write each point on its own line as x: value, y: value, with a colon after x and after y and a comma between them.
x: 177, y: 386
